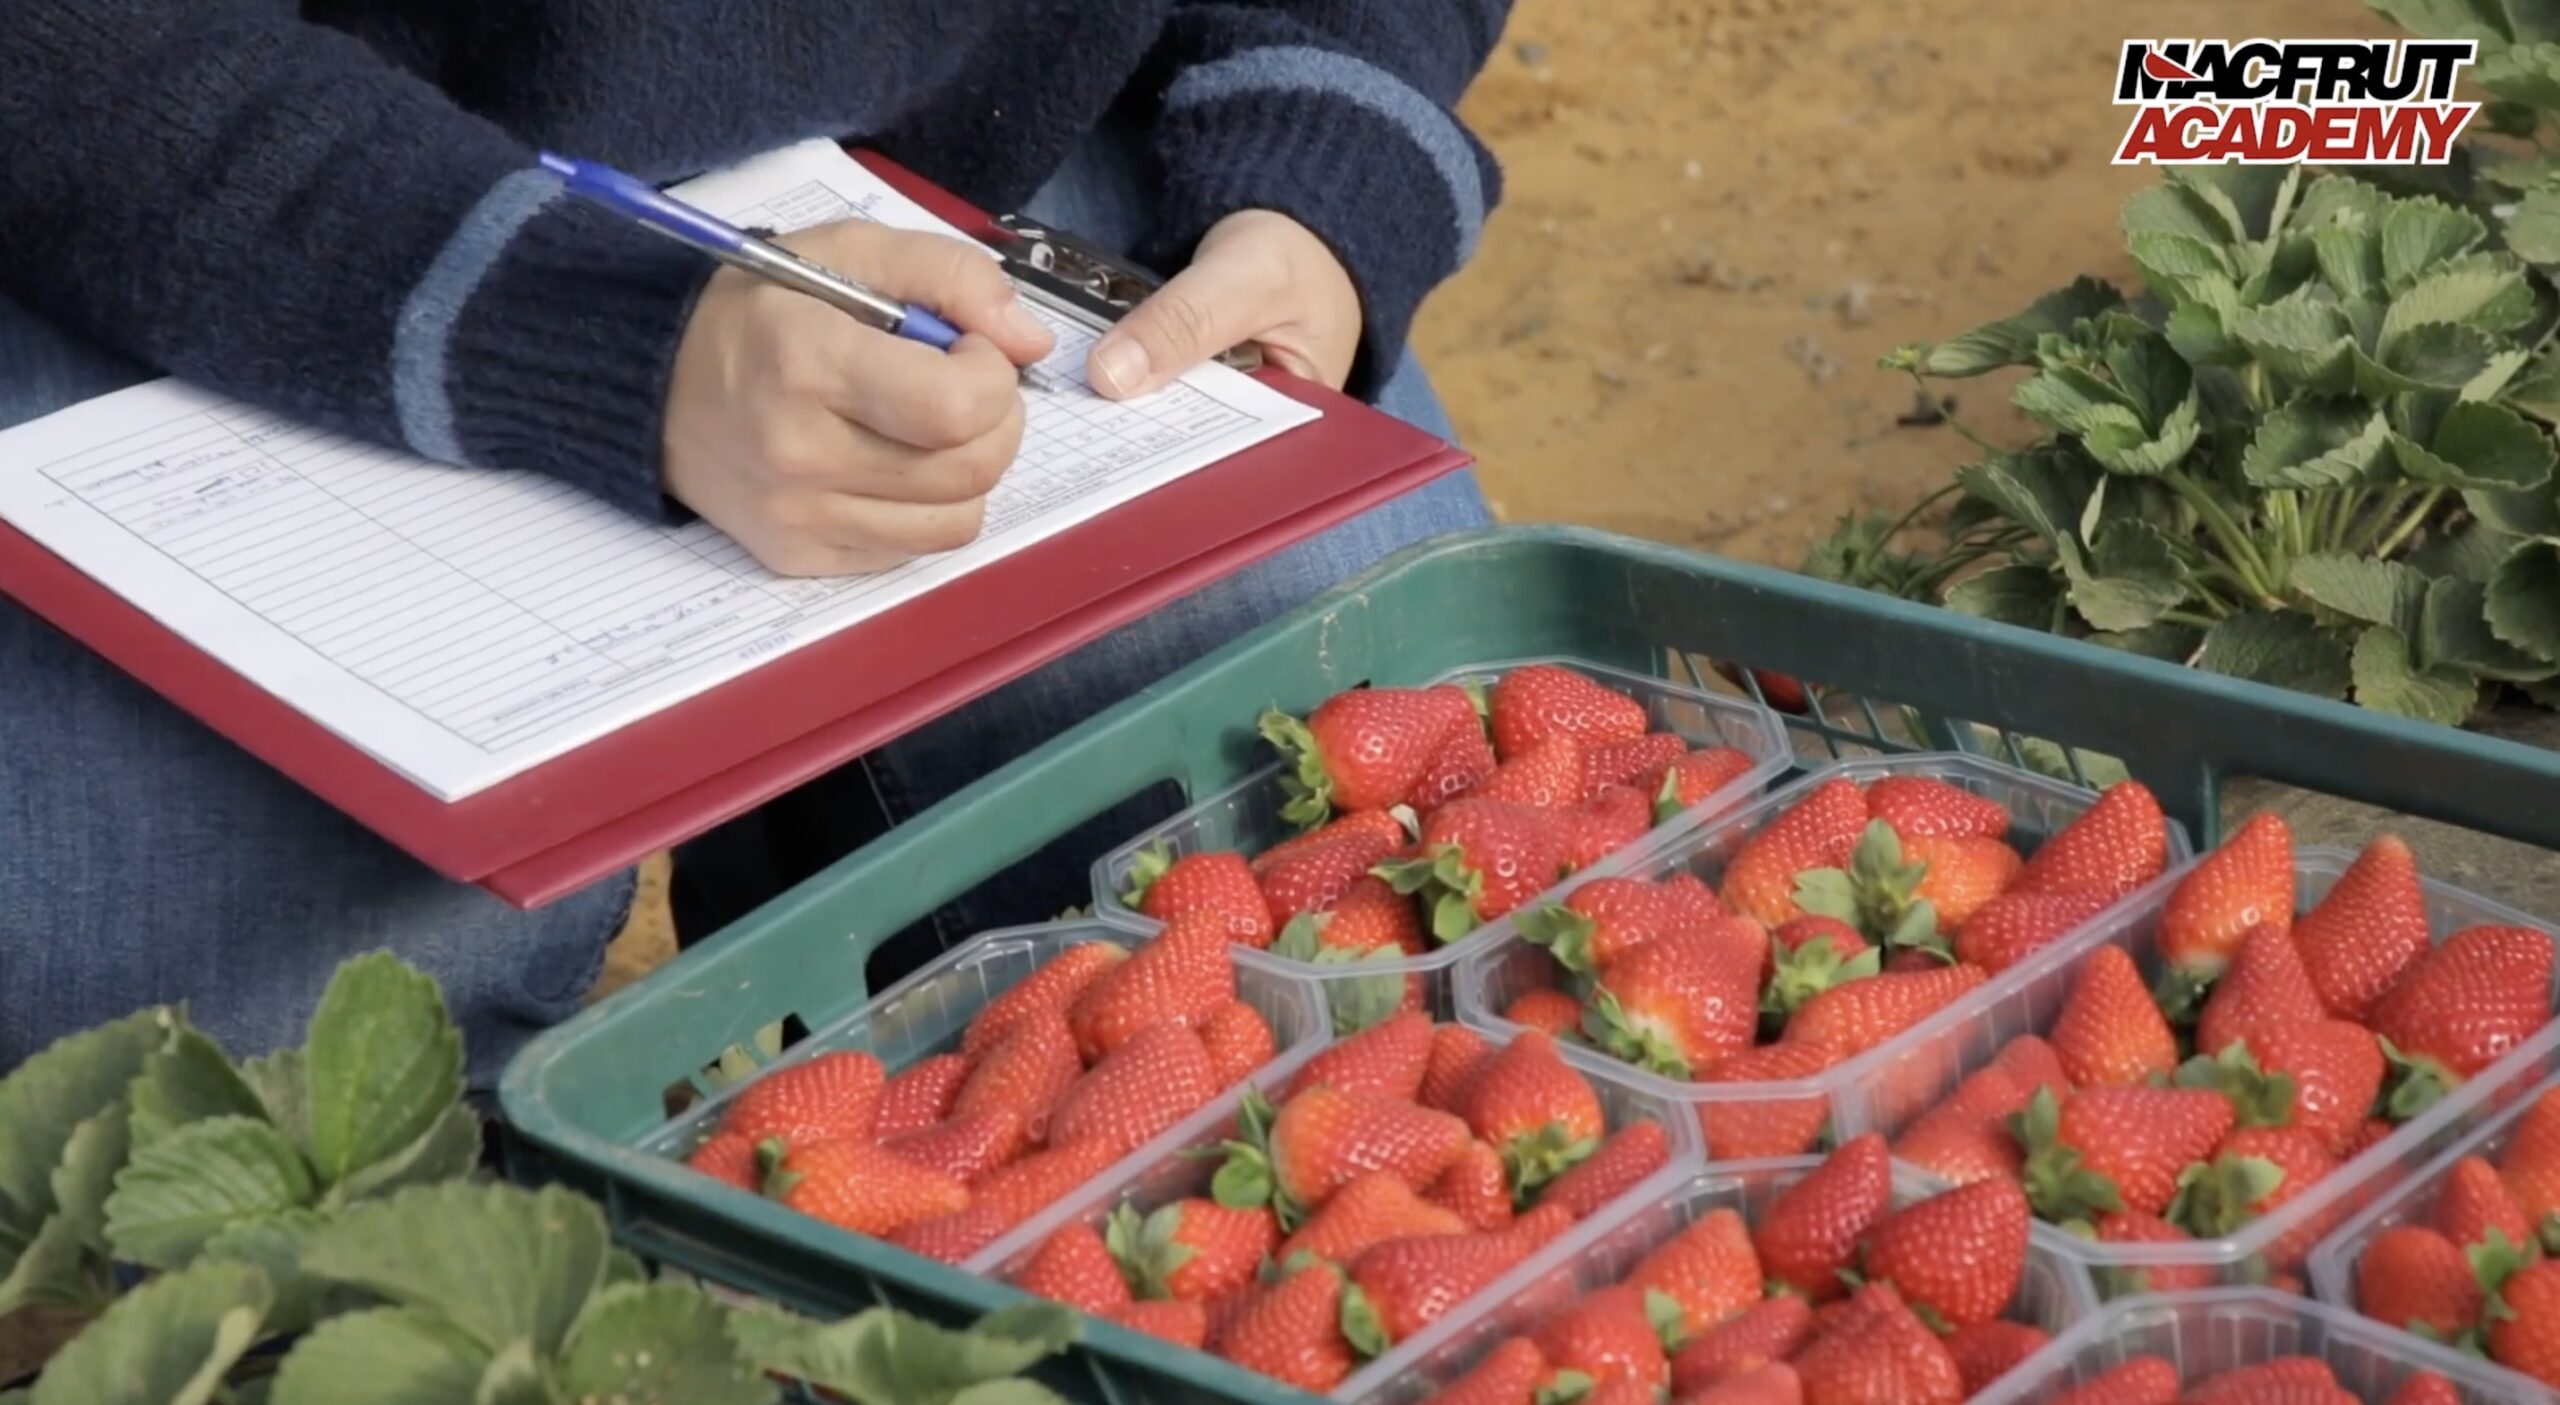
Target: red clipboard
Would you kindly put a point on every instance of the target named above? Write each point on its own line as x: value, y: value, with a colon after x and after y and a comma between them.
x: 560, y: 826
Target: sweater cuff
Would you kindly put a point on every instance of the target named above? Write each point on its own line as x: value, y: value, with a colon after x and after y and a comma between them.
x: 1384, y: 175
x: 542, y: 339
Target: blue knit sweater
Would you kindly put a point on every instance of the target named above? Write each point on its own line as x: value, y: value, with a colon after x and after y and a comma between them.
x: 324, y: 207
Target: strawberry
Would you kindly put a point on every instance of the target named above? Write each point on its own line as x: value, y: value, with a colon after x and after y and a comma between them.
x: 2115, y: 1148
x: 1195, y: 1250
x: 1051, y: 990
x: 1548, y: 1011
x: 2134, y: 1227
x: 1811, y: 955
x: 921, y: 1094
x: 1159, y: 1077
x: 1475, y: 1189
x: 1921, y: 807
x: 1678, y: 1003
x: 1599, y: 921
x: 1958, y: 1255
x: 1637, y: 762
x: 1026, y: 1074
x: 1238, y: 1041
x: 1481, y: 860
x: 1812, y: 1229
x: 1697, y: 778
x: 2246, y: 883
x: 1004, y: 1199
x: 2425, y: 1388
x: 1699, y: 1277
x: 1631, y: 1153
x: 967, y: 1147
x: 1536, y: 1111
x: 1965, y: 1136
x: 2415, y: 1278
x: 1388, y: 1059
x: 1531, y: 704
x: 833, y: 1097
x: 1623, y: 1390
x: 2281, y: 1380
x: 1510, y: 1374
x: 1371, y: 923
x: 1181, y: 1323
x: 2524, y: 1323
x: 2531, y: 1166
x: 2373, y: 1133
x: 1769, y: 1330
x: 1360, y: 750
x: 1771, y: 1383
x: 2266, y: 983
x: 1961, y: 873
x: 1316, y: 872
x: 1689, y: 897
x: 1462, y: 762
x: 2143, y: 1380
x: 2109, y: 1031
x: 2364, y: 934
x: 1292, y: 1331
x: 1183, y: 977
x: 1986, y: 1351
x: 2021, y: 922
x: 1371, y: 1208
x: 1880, y: 1354
x: 729, y: 1157
x: 1844, y: 940
x: 1876, y: 891
x: 2474, y: 1206
x: 857, y: 1186
x: 1547, y: 776
x: 1817, y: 832
x: 1218, y: 885
x: 1072, y: 1266
x: 1604, y: 824
x: 1748, y: 1128
x: 2318, y: 1074
x: 1322, y: 1140
x: 2033, y: 1062
x: 1856, y: 1017
x: 2460, y: 1008
x: 1403, y: 1285
x: 2255, y: 1171
x: 2114, y: 847
x: 1458, y: 1054
x: 1606, y: 1336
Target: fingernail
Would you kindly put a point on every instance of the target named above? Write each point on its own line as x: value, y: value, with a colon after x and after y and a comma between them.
x: 1119, y: 366
x: 1023, y: 322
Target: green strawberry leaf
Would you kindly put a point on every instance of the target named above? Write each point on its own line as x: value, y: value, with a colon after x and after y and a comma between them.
x: 2363, y: 588
x: 2533, y: 231
x: 2486, y: 291
x: 2454, y: 632
x: 885, y: 1357
x: 2318, y: 441
x: 97, y: 1151
x: 2388, y: 679
x: 277, y: 1080
x: 194, y: 1182
x: 381, y: 1356
x: 54, y: 1268
x: 274, y: 1243
x: 657, y: 1341
x: 382, y: 1064
x: 2489, y: 447
x: 2021, y: 593
x: 2305, y: 341
x: 189, y: 1080
x: 515, y: 1377
x: 2134, y: 577
x: 2522, y: 602
x: 2285, y: 650
x: 1150, y: 865
x: 2422, y: 232
x: 2524, y: 513
x: 63, y: 1085
x: 2470, y: 552
x: 499, y: 1262
x: 2011, y: 341
x: 168, y: 1342
x: 446, y: 1151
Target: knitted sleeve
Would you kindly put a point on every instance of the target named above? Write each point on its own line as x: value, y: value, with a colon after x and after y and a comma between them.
x: 265, y: 208
x: 1339, y: 114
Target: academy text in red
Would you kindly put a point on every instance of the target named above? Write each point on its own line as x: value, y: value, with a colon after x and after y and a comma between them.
x: 2334, y: 102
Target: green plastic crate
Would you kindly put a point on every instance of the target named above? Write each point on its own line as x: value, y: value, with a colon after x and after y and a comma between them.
x: 1903, y: 677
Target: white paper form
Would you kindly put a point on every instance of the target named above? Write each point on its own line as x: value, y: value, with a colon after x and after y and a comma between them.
x: 461, y: 625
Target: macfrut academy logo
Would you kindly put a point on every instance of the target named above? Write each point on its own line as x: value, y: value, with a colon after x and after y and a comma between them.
x: 2337, y: 102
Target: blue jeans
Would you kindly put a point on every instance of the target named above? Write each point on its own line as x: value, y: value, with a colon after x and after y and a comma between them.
x: 145, y: 859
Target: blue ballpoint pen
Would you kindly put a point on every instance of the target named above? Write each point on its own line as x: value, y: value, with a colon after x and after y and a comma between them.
x: 661, y: 213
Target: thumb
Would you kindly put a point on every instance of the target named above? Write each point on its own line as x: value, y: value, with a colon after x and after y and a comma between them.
x: 1201, y: 312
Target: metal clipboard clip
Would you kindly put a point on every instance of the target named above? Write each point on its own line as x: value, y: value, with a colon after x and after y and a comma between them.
x: 1083, y: 280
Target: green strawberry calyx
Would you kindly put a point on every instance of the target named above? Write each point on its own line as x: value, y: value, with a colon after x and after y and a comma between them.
x: 1448, y: 885
x: 2258, y: 1098
x: 1248, y: 1180
x: 1308, y: 784
x: 2417, y: 1082
x: 1877, y: 894
x: 1142, y: 1248
x: 1806, y: 971
x: 2549, y: 1232
x: 1565, y: 933
x: 2057, y: 1180
x: 1565, y: 1388
x: 1637, y: 1041
x: 2180, y: 994
x: 1362, y: 1327
x: 1355, y: 1002
x: 770, y: 1172
x: 2217, y: 1197
x: 1150, y: 866
x: 1666, y: 801
x: 1670, y: 1321
x: 1533, y: 1158
x: 2494, y: 1260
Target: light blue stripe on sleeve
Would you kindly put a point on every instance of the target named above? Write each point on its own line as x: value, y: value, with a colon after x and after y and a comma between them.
x: 1304, y: 68
x: 421, y: 343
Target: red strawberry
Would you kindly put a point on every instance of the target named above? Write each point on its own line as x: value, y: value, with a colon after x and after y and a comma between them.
x: 1690, y: 899
x: 2282, y: 1380
x: 1510, y: 1374
x: 1051, y: 990
x: 1640, y: 762
x: 1844, y: 940
x: 2116, y: 1148
x: 1965, y: 1137
x: 2373, y: 1133
x: 1631, y: 1153
x: 2032, y: 1062
x: 2461, y: 1007
x: 1181, y: 1323
x: 857, y: 1186
x: 2143, y: 1380
x: 1958, y: 1255
x: 2412, y: 1277
x: 1195, y: 1250
x: 1004, y: 1199
x: 2245, y: 884
x: 1323, y: 1140
x: 833, y: 1097
x: 1769, y: 1330
x: 2531, y: 1165
x: 1371, y: 1208
x: 2474, y: 1204
x: 2318, y: 1074
x: 2265, y: 984
x: 729, y: 1157
x: 1599, y: 921
x: 1238, y: 1040
x: 1458, y: 1054
x: 2257, y: 1170
x: 1856, y: 1017
x: 1481, y: 859
x: 967, y: 1147
x: 1159, y: 1077
x: 1679, y: 1003
x: 1461, y: 764
x: 1183, y: 977
x: 1359, y: 750
x: 1749, y: 1128
x: 1701, y: 1276
x: 2021, y: 922
x: 1531, y: 704
x: 2366, y: 932
x: 1216, y: 885
x: 1371, y: 923
x: 2425, y: 1388
x: 2109, y: 1030
x: 1604, y: 824
x: 2524, y: 1323
x: 1317, y: 872
x: 2114, y: 847
x: 1026, y: 1074
x: 1547, y: 776
x: 921, y: 1094
x: 1697, y: 778
x: 1818, y: 831
x: 1388, y: 1058
x: 1880, y: 1354
x: 2130, y: 1227
x: 1606, y: 1336
x: 1812, y: 1229
x: 1292, y: 1331
x: 1475, y: 1189
x: 1404, y: 1285
x: 1540, y: 1114
x: 1964, y: 873
x: 1550, y: 1012
x: 1073, y: 1267
x: 1771, y: 1383
x: 1986, y: 1351
x: 1924, y: 807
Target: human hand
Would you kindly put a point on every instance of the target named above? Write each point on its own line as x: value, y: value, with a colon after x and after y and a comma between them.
x: 825, y: 447
x: 1257, y: 277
